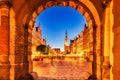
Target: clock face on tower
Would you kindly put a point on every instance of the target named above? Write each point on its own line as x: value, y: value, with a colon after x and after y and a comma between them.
x: 66, y: 42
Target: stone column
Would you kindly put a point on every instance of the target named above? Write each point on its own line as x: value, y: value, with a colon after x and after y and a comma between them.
x: 106, y: 63
x: 25, y: 56
x: 4, y: 40
x: 30, y: 48
x: 94, y: 66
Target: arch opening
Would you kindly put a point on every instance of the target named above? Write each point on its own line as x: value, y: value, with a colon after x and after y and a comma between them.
x: 83, y: 10
x: 73, y: 50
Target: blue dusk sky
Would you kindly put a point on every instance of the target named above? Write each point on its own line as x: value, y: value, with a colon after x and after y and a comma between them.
x: 54, y: 22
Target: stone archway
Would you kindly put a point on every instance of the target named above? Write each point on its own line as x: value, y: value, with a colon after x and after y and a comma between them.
x: 93, y: 23
x: 23, y: 17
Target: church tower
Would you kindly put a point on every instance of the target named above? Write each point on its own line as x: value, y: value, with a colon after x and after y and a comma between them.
x: 66, y: 47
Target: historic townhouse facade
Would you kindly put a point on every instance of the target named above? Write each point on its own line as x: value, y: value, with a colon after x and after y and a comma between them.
x: 72, y: 46
x: 86, y: 40
x: 37, y: 39
x: 81, y: 41
x: 80, y: 44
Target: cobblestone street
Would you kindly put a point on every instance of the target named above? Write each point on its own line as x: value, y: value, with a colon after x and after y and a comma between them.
x: 61, y: 69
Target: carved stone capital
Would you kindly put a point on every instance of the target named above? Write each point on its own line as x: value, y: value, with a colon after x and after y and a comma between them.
x: 5, y: 3
x: 106, y: 3
x: 106, y: 66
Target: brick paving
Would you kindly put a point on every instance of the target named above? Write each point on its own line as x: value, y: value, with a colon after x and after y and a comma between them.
x: 61, y: 69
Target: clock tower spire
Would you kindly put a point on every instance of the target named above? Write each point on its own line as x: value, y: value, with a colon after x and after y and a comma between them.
x: 66, y: 47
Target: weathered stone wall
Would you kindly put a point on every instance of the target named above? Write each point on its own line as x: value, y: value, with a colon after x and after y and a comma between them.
x: 116, y: 43
x: 4, y: 40
x: 21, y: 52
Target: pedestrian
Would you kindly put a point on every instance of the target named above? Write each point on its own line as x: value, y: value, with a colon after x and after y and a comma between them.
x: 92, y: 77
x: 35, y: 75
x: 25, y: 77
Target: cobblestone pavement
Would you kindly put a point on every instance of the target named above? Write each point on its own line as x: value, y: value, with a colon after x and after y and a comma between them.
x: 61, y: 69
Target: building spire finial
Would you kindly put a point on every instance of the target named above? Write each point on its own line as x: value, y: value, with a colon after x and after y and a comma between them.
x: 66, y: 34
